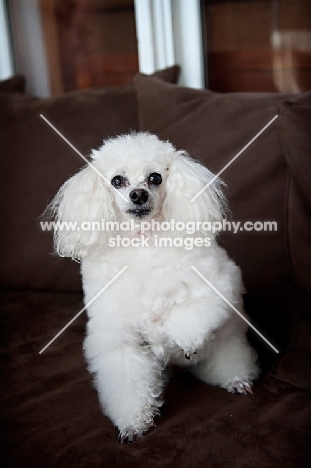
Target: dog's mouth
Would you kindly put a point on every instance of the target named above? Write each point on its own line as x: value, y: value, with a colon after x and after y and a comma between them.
x: 140, y: 212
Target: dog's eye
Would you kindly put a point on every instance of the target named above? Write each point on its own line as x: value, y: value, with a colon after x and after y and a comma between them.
x: 155, y: 178
x: 118, y: 181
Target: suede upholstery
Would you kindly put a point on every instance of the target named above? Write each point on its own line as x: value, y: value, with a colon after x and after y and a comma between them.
x: 16, y: 84
x: 38, y: 154
x: 50, y: 411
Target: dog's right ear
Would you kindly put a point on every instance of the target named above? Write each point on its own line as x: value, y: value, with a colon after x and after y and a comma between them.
x: 78, y: 208
x: 192, y: 194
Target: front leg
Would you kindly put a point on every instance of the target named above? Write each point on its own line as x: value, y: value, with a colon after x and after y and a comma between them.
x: 129, y: 385
x: 191, y: 323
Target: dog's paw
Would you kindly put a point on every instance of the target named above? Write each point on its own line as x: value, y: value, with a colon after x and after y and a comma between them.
x: 241, y: 386
x: 187, y: 334
x: 129, y: 435
x: 189, y: 354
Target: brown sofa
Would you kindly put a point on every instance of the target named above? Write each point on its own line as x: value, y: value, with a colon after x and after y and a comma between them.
x: 50, y: 411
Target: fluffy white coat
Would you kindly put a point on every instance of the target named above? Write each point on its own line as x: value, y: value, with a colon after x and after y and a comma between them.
x: 158, y: 311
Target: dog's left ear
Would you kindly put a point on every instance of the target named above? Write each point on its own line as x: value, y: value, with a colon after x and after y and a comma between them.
x: 77, y: 209
x: 186, y: 179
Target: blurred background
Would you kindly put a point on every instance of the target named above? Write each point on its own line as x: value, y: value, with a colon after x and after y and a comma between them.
x: 221, y: 45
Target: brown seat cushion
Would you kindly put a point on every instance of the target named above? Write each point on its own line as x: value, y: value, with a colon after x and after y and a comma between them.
x: 51, y: 415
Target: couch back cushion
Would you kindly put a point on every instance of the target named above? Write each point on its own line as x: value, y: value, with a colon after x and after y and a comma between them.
x: 35, y: 162
x: 15, y: 84
x: 295, y: 136
x: 213, y: 128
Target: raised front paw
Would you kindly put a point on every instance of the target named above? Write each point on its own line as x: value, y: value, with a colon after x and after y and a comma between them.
x: 186, y: 332
x: 241, y: 386
x: 189, y: 354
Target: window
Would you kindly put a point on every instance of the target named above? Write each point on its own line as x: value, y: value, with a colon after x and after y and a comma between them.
x: 6, y: 62
x: 259, y: 45
x: 74, y: 44
x: 170, y: 32
x: 223, y: 45
x: 96, y: 41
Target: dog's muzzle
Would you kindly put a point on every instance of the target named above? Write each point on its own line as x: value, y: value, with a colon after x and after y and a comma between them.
x: 139, y: 197
x: 140, y: 212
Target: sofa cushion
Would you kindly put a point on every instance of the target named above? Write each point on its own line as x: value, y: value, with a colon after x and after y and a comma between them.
x: 295, y: 135
x: 35, y: 162
x: 15, y: 84
x: 269, y: 181
x: 293, y: 370
x: 51, y: 416
x: 213, y: 128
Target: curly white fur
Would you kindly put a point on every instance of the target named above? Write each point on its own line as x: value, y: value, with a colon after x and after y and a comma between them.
x: 159, y: 311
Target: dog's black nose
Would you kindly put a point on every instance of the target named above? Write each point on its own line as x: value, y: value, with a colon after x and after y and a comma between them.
x: 139, y: 196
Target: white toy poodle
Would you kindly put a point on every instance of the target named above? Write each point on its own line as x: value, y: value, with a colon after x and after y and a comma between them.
x: 159, y: 311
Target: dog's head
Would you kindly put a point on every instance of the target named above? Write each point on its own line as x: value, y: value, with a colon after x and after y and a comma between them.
x: 135, y: 168
x: 134, y: 176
